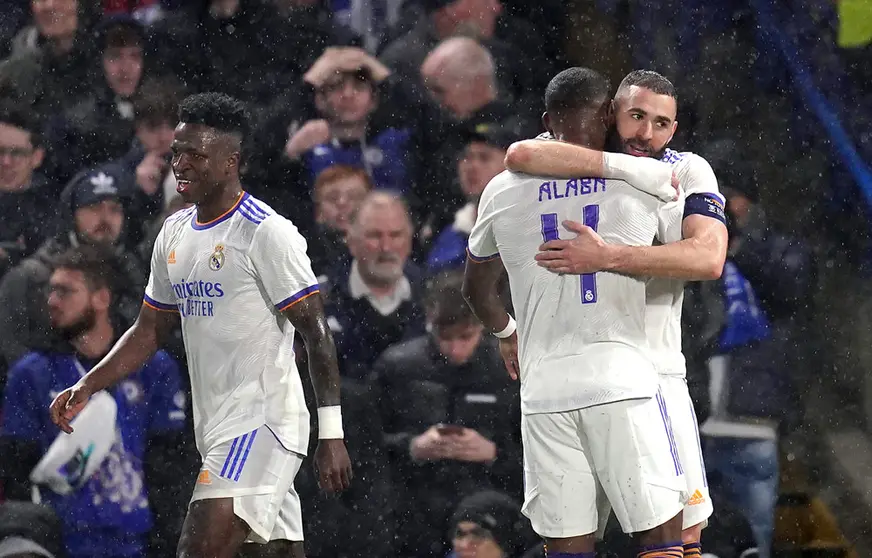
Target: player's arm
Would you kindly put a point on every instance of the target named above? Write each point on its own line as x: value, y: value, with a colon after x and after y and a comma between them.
x: 566, y: 160
x: 129, y: 354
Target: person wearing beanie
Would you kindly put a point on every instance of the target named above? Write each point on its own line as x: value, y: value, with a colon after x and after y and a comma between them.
x: 488, y: 525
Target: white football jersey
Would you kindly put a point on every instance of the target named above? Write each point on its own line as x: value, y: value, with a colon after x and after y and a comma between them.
x: 666, y: 296
x: 581, y: 339
x: 229, y: 279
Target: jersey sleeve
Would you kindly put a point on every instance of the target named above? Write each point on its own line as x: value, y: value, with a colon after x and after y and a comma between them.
x: 278, y: 253
x: 159, y: 293
x: 700, y: 185
x: 669, y: 218
x: 482, y: 243
x: 167, y: 400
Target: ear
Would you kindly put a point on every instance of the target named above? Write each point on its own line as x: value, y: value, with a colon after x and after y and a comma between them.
x: 321, y: 103
x: 101, y: 299
x: 674, y: 129
x: 38, y: 157
x: 233, y: 160
x: 546, y: 122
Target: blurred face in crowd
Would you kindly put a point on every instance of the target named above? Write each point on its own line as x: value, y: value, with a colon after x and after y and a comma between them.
x: 458, y: 342
x: 346, y: 99
x: 18, y: 158
x: 73, y: 304
x: 122, y: 66
x: 101, y: 222
x: 381, y: 241
x: 474, y: 541
x: 204, y: 160
x: 478, y: 164
x: 476, y: 17
x: 55, y: 19
x: 645, y: 121
x: 336, y: 201
x: 155, y: 137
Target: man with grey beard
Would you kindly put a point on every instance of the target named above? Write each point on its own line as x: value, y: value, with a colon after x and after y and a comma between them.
x: 375, y: 300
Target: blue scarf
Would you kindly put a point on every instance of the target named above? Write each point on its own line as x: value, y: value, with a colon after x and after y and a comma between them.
x: 746, y: 321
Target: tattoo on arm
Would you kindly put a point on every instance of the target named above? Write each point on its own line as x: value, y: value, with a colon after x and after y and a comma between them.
x: 308, y: 318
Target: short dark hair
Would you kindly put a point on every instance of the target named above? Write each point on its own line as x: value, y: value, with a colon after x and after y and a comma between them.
x: 216, y: 110
x: 122, y: 34
x: 16, y: 115
x: 444, y: 302
x: 95, y: 263
x: 649, y: 79
x: 157, y: 102
x: 576, y: 88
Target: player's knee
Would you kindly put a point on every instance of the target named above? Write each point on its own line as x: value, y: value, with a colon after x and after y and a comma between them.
x: 572, y: 545
x: 692, y: 534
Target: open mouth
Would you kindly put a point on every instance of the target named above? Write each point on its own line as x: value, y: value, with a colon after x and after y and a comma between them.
x: 637, y: 152
x: 182, y: 185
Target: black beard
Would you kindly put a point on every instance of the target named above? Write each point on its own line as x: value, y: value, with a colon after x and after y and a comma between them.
x: 84, y: 323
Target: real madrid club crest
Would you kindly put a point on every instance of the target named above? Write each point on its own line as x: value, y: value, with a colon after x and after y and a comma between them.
x: 216, y: 260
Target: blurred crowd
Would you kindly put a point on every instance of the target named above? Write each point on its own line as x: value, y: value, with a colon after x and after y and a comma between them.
x: 377, y: 125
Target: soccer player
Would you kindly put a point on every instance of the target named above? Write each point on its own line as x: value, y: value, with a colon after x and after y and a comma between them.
x: 237, y: 275
x: 645, y: 107
x: 593, y: 423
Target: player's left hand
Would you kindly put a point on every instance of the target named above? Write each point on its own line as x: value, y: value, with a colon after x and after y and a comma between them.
x: 332, y: 466
x: 586, y: 253
x: 509, y: 352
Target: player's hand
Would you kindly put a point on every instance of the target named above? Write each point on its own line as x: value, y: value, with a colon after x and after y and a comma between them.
x: 67, y: 405
x: 509, y: 352
x: 332, y: 466
x: 312, y: 133
x: 150, y: 172
x: 586, y: 253
x: 472, y: 447
x: 430, y: 446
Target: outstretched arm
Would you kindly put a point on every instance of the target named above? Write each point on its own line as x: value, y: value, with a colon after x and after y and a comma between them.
x: 129, y: 354
x: 565, y: 160
x: 331, y: 458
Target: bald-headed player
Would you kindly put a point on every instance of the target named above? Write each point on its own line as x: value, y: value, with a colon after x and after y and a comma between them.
x: 237, y: 275
x: 645, y: 107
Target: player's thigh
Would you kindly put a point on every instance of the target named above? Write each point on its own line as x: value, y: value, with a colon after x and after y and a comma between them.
x: 560, y: 489
x: 273, y: 549
x: 636, y: 461
x: 256, y: 473
x: 686, y: 431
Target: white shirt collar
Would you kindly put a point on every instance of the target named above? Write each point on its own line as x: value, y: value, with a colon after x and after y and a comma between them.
x: 385, y: 305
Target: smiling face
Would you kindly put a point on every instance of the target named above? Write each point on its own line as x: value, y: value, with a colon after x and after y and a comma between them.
x: 645, y: 121
x: 204, y: 159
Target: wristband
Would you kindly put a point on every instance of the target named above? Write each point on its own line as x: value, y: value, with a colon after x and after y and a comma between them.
x: 508, y: 330
x: 330, y: 423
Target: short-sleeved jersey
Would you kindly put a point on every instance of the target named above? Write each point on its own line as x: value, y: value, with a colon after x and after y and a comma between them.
x: 230, y: 279
x: 581, y: 339
x: 665, y: 297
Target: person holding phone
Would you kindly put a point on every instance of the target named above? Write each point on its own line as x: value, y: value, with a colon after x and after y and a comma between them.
x: 451, y: 418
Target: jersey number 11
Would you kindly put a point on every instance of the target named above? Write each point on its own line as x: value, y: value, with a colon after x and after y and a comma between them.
x: 549, y: 232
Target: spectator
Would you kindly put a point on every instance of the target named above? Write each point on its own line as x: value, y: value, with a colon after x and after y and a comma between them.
x: 25, y: 198
x: 92, y: 203
x: 29, y: 530
x: 52, y: 64
x: 147, y: 162
x: 520, y: 76
x: 108, y: 513
x: 767, y: 280
x: 374, y: 300
x: 481, y: 160
x: 338, y: 192
x: 231, y: 46
x: 489, y: 525
x: 311, y: 27
x: 450, y: 414
x: 100, y: 127
x: 459, y: 74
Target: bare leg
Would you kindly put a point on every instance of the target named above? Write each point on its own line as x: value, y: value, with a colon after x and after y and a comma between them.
x: 212, y: 530
x: 666, y: 533
x: 273, y: 549
x: 572, y: 545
